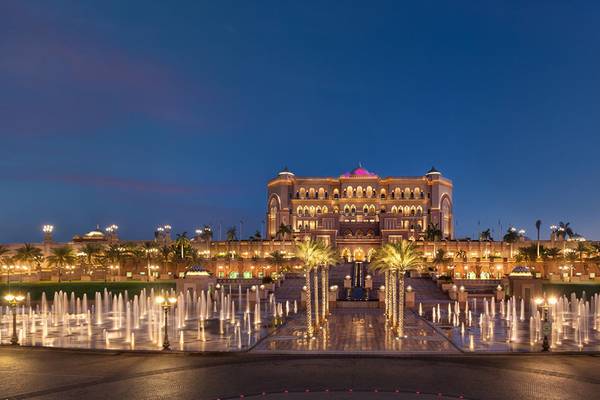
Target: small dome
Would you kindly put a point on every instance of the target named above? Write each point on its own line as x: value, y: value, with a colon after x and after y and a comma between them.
x: 433, y: 171
x: 359, y: 171
x: 285, y: 172
x: 95, y: 233
x: 521, y: 270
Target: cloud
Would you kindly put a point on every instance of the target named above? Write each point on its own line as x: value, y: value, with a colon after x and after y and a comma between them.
x: 62, y: 75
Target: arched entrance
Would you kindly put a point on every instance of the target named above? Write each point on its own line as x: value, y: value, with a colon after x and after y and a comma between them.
x: 359, y: 255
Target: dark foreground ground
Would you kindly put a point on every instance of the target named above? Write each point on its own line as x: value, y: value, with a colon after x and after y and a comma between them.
x: 55, y: 374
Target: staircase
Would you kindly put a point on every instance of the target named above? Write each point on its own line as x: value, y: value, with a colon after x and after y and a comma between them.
x: 290, y: 288
x: 426, y: 291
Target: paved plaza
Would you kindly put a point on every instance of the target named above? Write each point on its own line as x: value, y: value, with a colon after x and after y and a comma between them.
x: 358, y: 331
x: 61, y: 374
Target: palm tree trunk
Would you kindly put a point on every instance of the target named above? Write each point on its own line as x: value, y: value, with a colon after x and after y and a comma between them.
x: 316, y: 281
x: 309, y: 326
x: 388, y: 288
x: 401, y: 304
x: 324, y: 292
x: 394, y: 299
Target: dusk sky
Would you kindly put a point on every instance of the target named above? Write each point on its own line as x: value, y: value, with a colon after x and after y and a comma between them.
x: 143, y: 113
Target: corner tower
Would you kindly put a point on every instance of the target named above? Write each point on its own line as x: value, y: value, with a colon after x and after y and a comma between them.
x: 278, y: 201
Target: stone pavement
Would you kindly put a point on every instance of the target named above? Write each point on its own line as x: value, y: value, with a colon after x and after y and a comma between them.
x: 357, y: 331
x: 64, y: 375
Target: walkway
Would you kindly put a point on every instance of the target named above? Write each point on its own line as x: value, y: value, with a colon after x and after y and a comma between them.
x: 357, y: 331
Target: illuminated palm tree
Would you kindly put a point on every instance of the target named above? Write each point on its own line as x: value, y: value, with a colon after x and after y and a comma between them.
x: 4, y: 259
x: 278, y: 259
x: 538, y: 225
x: 308, y: 252
x: 92, y: 251
x: 165, y: 254
x: 328, y: 256
x: 60, y: 257
x: 150, y: 250
x: 27, y: 254
x: 441, y: 259
x: 397, y: 258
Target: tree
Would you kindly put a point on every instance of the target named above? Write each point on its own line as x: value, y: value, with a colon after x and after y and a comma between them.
x: 231, y: 234
x: 182, y: 243
x: 563, y: 230
x: 486, y: 235
x: 441, y: 258
x: 150, y: 251
x: 206, y: 234
x: 538, y: 225
x: 114, y: 255
x: 165, y: 254
x: 397, y: 258
x: 27, y: 254
x: 461, y: 255
x: 328, y: 256
x: 511, y: 235
x: 433, y: 232
x: 256, y: 236
x: 283, y: 231
x: 277, y: 258
x: 308, y: 252
x: 92, y: 252
x: 60, y: 257
x: 4, y: 251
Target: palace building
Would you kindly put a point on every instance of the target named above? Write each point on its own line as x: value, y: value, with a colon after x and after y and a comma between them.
x: 359, y: 210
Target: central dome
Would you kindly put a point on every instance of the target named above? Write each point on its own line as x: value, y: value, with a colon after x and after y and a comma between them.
x: 359, y: 171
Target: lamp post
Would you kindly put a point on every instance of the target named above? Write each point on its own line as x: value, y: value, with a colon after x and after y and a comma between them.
x: 166, y: 303
x: 546, y: 325
x: 13, y: 301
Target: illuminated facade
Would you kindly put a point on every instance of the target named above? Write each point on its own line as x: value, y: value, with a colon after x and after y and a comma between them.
x: 358, y: 211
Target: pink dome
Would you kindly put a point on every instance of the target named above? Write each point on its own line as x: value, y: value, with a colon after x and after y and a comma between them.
x: 359, y: 171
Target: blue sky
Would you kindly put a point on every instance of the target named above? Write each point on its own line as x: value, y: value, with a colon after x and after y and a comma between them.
x: 140, y: 113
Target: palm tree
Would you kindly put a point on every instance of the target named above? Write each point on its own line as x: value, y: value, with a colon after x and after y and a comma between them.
x: 441, y: 258
x: 182, y: 242
x: 165, y: 254
x: 4, y: 251
x: 113, y: 255
x: 150, y: 250
x: 564, y: 229
x: 486, y: 235
x: 92, y: 251
x: 308, y: 252
x: 433, y: 232
x: 283, y: 231
x: 538, y: 225
x: 137, y: 255
x: 328, y: 256
x: 397, y: 258
x: 27, y: 254
x: 60, y: 257
x: 231, y: 234
x: 277, y: 258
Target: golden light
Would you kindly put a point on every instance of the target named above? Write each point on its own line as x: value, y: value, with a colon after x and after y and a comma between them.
x: 9, y: 297
x: 552, y: 301
x: 539, y: 300
x: 159, y: 299
x: 172, y: 300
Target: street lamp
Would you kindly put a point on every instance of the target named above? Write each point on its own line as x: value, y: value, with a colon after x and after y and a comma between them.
x: 547, y: 325
x: 166, y: 303
x: 13, y: 301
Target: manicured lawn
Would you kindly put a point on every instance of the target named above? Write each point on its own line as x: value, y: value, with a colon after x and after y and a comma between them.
x: 576, y: 287
x: 79, y: 288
